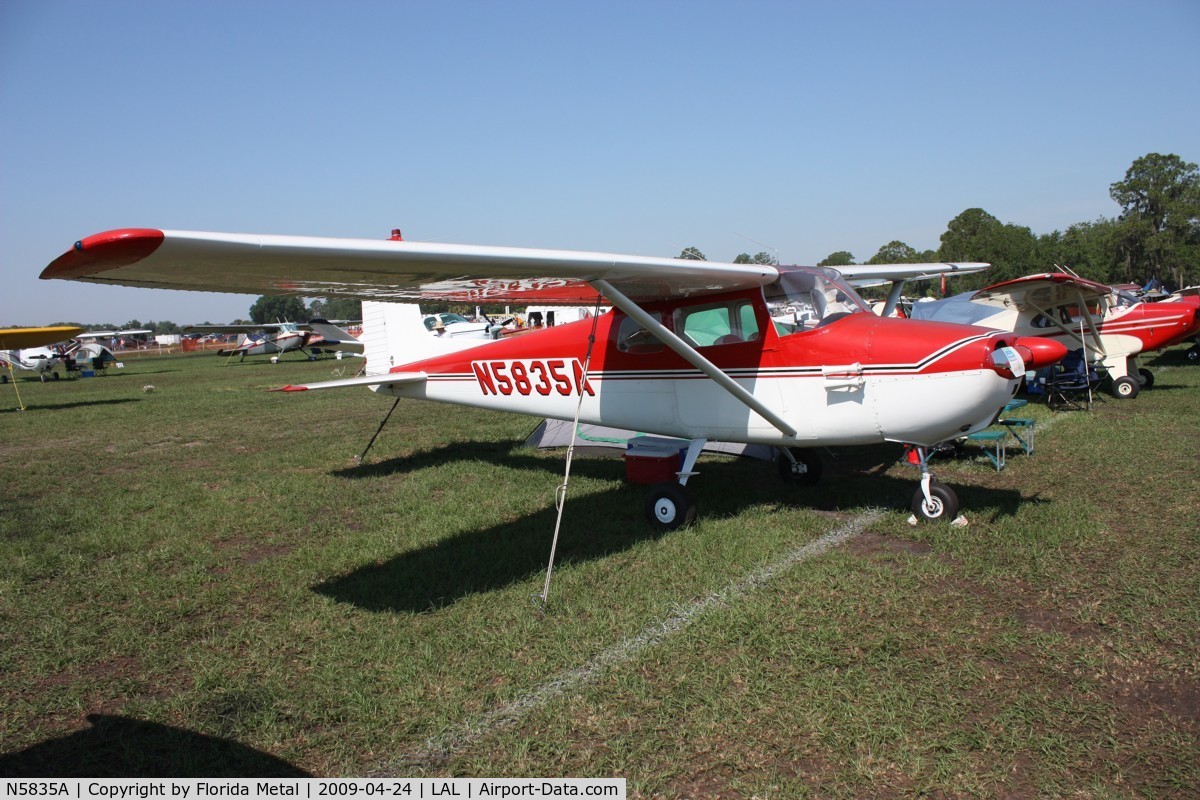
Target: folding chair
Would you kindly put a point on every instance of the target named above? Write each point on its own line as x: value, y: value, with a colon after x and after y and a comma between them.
x: 1072, y: 384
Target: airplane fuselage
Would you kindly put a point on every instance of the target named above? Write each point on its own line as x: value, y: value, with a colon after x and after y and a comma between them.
x: 857, y: 379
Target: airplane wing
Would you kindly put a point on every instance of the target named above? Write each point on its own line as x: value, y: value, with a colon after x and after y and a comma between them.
x: 22, y: 338
x: 267, y: 326
x: 875, y: 274
x: 369, y: 269
x: 110, y: 334
x: 1046, y: 290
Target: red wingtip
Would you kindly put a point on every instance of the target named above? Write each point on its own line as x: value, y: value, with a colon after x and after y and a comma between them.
x: 290, y: 388
x: 104, y: 251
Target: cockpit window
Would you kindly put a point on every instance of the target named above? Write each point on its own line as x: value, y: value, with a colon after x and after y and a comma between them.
x: 804, y: 299
x: 717, y: 323
x: 1126, y: 299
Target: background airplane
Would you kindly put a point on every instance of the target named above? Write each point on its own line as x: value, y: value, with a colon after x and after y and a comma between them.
x: 785, y: 356
x: 25, y: 349
x: 274, y: 338
x: 1111, y: 327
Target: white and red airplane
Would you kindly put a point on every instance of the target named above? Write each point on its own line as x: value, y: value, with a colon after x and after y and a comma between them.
x: 1113, y: 327
x: 784, y: 356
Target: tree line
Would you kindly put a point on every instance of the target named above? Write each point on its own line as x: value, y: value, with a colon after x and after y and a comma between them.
x: 1156, y: 236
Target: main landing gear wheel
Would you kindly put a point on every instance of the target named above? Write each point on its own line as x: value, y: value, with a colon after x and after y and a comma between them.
x: 943, y: 503
x: 1125, y: 388
x: 805, y: 471
x: 668, y: 506
x: 1145, y: 377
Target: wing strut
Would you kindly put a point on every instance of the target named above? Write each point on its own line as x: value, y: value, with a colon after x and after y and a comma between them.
x: 893, y: 299
x: 1097, y: 343
x: 689, y: 354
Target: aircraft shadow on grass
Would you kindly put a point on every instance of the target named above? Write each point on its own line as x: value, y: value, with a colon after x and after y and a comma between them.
x: 599, y: 524
x: 80, y: 404
x: 120, y: 747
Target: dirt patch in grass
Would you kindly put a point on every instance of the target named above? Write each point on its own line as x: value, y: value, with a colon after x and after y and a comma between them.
x: 872, y: 545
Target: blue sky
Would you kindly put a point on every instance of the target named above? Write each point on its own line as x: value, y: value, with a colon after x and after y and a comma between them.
x: 632, y: 127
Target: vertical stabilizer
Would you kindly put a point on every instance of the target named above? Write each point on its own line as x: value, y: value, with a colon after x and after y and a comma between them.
x: 395, y: 334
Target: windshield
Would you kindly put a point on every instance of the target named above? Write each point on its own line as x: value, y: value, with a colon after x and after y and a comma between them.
x: 807, y: 297
x: 1126, y: 299
x: 446, y: 319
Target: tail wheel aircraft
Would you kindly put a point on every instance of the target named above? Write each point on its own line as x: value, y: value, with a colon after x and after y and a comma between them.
x: 274, y: 338
x: 789, y: 357
x: 26, y: 349
x: 1112, y: 327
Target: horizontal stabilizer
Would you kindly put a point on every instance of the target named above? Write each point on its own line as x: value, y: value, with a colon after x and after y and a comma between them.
x: 389, y: 379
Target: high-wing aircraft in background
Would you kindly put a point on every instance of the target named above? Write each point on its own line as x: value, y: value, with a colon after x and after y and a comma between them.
x: 1111, y: 326
x: 26, y: 349
x: 115, y: 336
x: 273, y: 338
x: 785, y: 356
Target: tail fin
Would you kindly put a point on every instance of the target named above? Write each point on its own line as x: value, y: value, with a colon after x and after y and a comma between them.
x: 334, y: 338
x: 395, y: 334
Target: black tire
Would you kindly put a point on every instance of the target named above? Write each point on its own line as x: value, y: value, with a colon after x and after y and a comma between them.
x: 54, y: 375
x: 4, y: 378
x: 805, y: 472
x: 1145, y: 377
x: 944, y: 505
x: 1193, y: 353
x: 669, y: 507
x: 1126, y: 388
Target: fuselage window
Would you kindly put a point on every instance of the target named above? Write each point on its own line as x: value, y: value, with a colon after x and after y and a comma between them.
x: 633, y: 338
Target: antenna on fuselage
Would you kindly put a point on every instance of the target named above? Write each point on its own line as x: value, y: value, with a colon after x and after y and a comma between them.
x: 774, y: 250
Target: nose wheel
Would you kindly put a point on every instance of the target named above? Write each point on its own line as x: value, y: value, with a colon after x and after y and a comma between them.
x: 941, y: 505
x: 933, y: 501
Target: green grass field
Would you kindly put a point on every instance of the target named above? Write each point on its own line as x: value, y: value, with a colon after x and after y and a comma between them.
x: 198, y: 581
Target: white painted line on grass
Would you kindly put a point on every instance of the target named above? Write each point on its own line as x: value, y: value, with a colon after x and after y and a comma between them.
x: 440, y: 748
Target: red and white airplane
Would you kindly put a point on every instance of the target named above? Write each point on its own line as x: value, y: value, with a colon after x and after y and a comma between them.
x: 1113, y: 327
x: 784, y: 356
x: 284, y: 337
